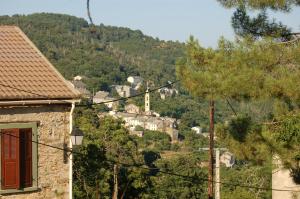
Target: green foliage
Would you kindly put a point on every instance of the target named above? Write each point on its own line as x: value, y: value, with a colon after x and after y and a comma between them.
x: 155, y: 140
x: 283, y: 5
x: 193, y: 141
x: 227, y: 71
x: 139, y: 128
x: 239, y: 127
x: 106, y: 56
x: 91, y: 173
x: 284, y: 137
x: 259, y: 26
x: 254, y: 176
x: 106, y: 143
x: 168, y: 186
x: 245, y: 140
x: 101, y: 108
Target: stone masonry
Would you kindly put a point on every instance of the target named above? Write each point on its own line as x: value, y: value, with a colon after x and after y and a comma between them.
x: 53, y: 129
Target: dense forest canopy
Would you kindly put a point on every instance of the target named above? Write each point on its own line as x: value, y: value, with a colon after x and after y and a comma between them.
x: 106, y: 55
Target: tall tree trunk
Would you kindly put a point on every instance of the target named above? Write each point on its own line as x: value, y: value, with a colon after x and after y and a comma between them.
x: 97, y: 189
x: 123, y: 194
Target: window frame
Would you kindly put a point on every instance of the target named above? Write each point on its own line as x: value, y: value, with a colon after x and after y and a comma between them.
x: 20, y: 125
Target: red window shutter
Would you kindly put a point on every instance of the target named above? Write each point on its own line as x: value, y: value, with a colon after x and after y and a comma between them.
x: 10, y: 164
x: 26, y: 157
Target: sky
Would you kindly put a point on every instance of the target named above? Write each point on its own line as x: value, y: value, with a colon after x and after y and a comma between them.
x: 173, y: 20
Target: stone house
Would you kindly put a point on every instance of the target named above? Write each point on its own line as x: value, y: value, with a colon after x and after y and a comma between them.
x: 124, y: 90
x: 103, y: 96
x: 167, y: 92
x: 81, y: 87
x: 135, y: 81
x: 132, y: 108
x: 36, y: 105
x: 149, y: 122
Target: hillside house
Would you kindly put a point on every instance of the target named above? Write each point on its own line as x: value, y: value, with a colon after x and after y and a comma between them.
x: 124, y: 90
x: 36, y: 105
x: 78, y: 78
x: 135, y: 81
x: 227, y: 158
x: 132, y: 108
x: 103, y: 96
x: 81, y: 87
x: 167, y: 92
x: 197, y: 129
x: 148, y: 119
x: 149, y: 122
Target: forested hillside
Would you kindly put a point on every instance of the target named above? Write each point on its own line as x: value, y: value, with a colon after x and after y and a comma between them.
x: 106, y: 55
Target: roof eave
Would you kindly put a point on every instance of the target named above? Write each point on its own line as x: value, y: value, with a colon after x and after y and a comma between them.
x: 37, y: 102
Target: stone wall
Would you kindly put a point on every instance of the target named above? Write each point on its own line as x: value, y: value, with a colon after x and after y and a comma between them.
x: 53, y: 129
x: 281, y: 179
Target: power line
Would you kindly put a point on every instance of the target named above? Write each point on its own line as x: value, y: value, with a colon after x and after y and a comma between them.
x: 80, y: 105
x: 142, y: 166
x: 136, y: 95
x: 231, y: 107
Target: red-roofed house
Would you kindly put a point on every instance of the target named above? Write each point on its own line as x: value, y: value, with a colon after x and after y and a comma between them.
x: 36, y: 105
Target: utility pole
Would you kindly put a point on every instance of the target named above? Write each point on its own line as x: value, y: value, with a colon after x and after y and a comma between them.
x: 116, y: 171
x: 217, y: 167
x: 217, y: 181
x: 211, y: 149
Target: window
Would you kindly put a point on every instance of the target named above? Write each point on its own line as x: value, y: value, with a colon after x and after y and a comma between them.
x: 18, y: 157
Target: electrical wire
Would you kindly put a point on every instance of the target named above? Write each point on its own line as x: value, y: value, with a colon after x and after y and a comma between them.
x: 142, y: 166
x: 159, y: 170
x: 104, y: 102
x: 231, y: 107
x: 136, y: 95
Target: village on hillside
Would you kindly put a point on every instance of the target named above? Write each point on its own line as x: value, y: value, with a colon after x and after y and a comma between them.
x: 137, y: 120
x: 134, y: 101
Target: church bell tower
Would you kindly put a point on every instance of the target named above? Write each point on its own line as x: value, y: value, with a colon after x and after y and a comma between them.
x: 147, y: 100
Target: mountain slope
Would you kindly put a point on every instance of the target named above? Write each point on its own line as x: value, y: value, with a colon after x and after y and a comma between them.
x: 104, y: 54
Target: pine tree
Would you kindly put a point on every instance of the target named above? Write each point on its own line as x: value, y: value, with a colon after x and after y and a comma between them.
x: 261, y: 25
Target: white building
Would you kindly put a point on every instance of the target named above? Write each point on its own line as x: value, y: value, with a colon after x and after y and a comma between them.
x: 149, y: 122
x: 197, y: 129
x: 77, y: 78
x: 227, y: 158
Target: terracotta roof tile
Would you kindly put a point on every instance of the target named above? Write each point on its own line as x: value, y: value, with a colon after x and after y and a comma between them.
x: 25, y: 73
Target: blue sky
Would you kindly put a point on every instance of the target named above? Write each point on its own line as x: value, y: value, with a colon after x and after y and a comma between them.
x: 165, y: 19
